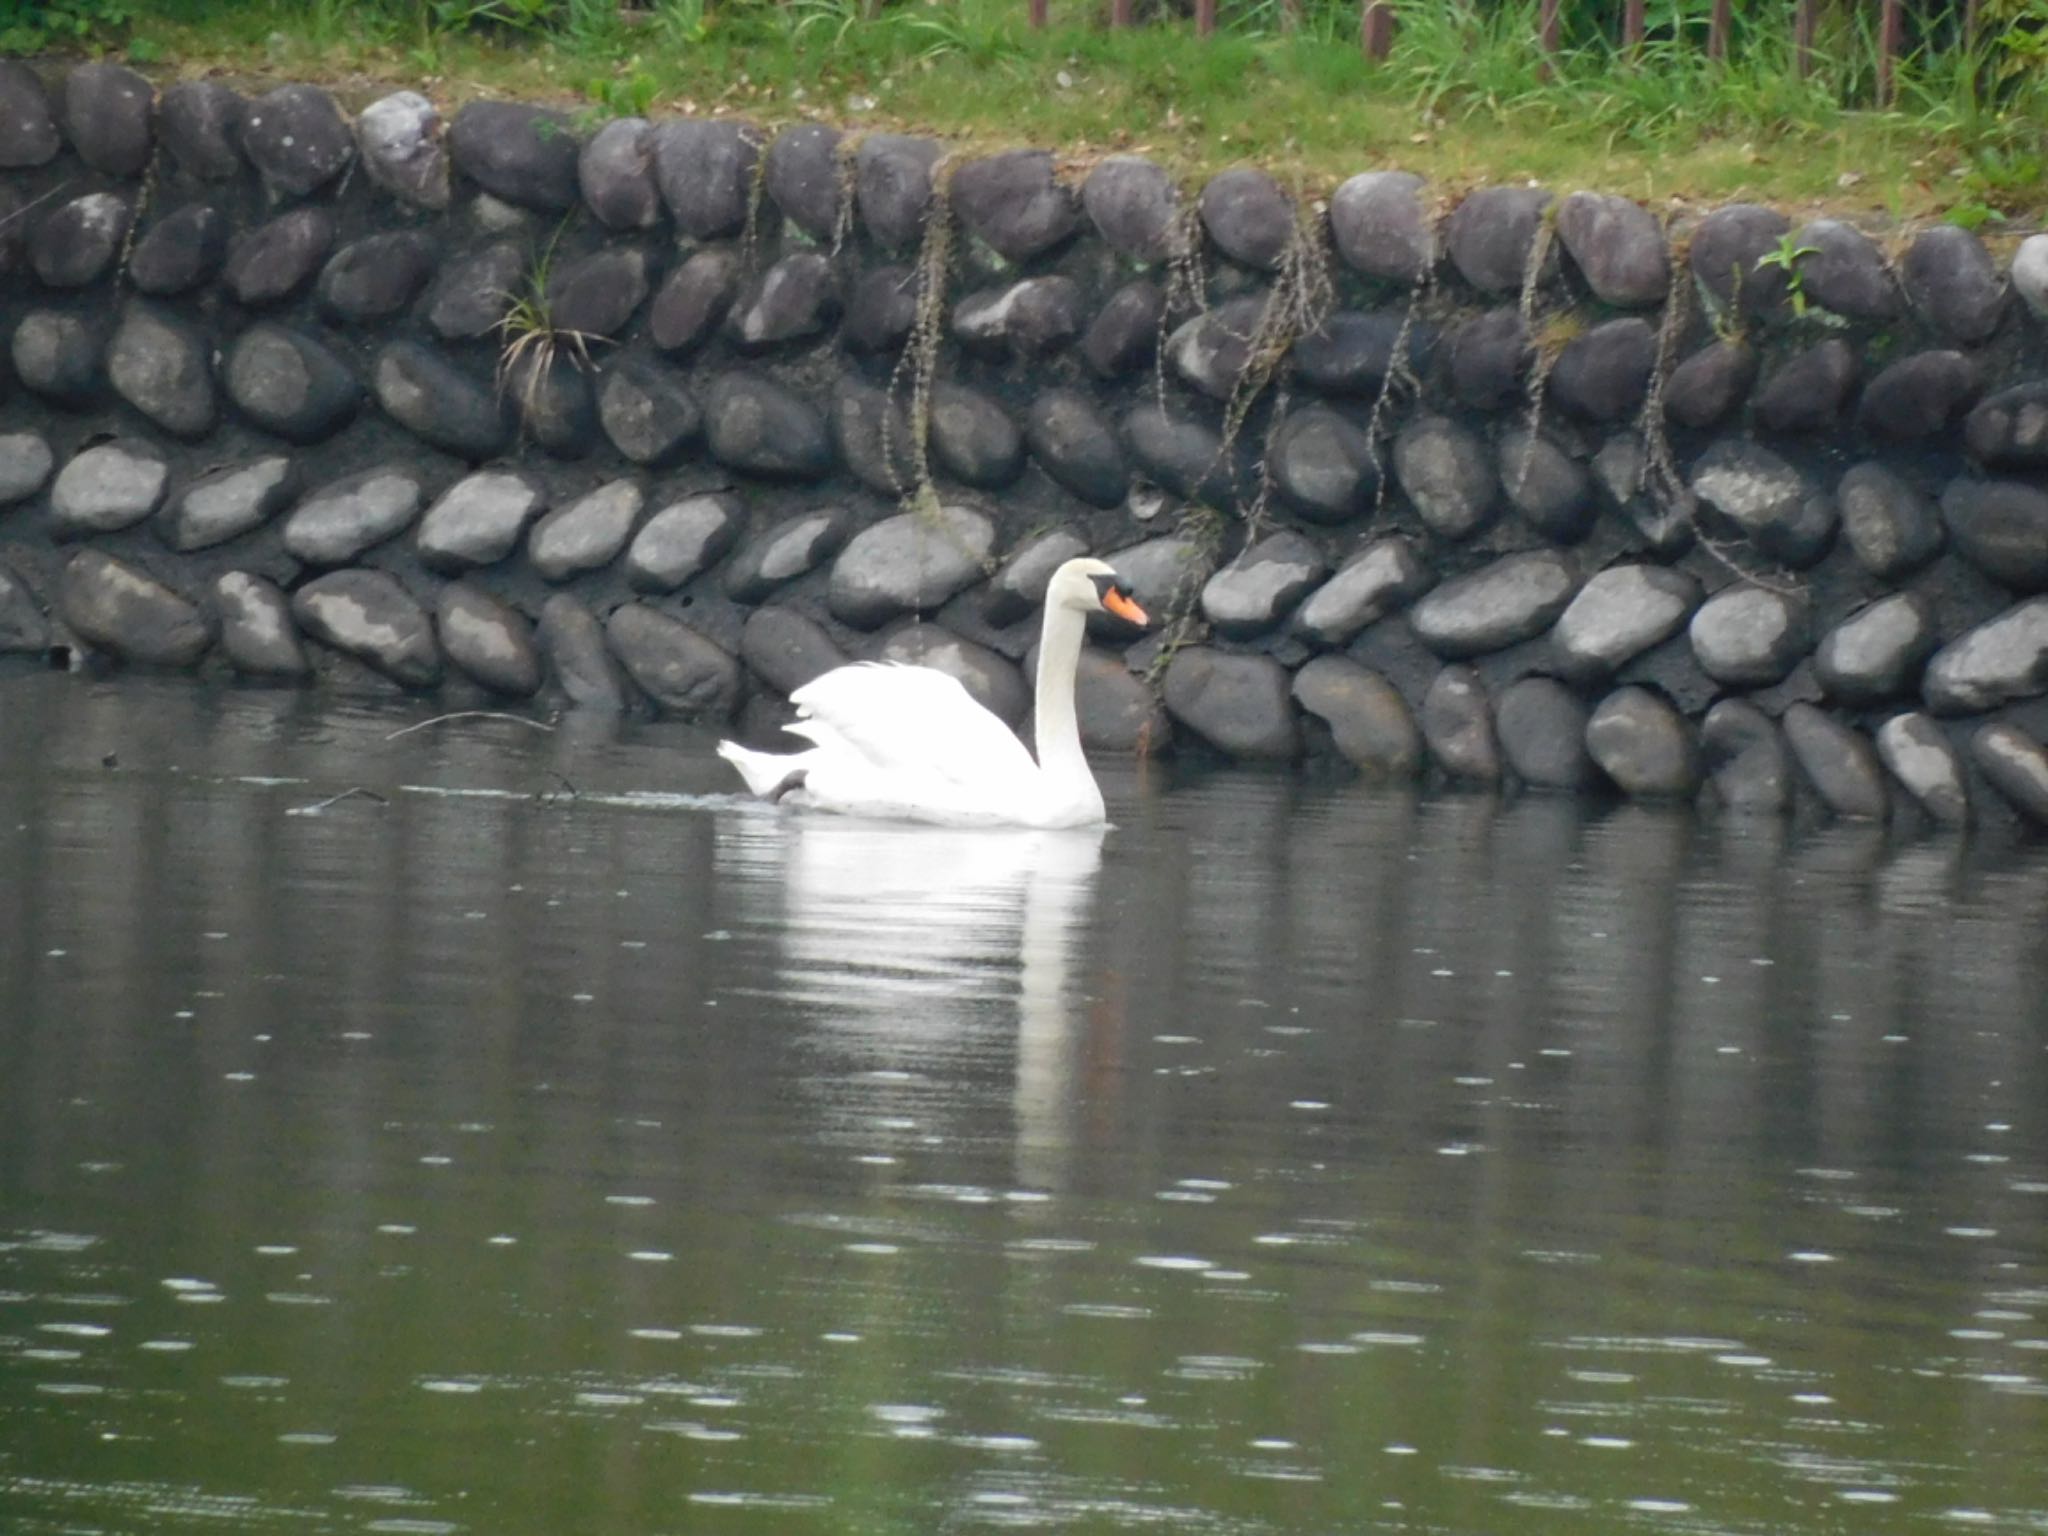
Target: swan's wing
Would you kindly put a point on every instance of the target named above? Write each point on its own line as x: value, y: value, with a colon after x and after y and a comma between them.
x: 906, y: 720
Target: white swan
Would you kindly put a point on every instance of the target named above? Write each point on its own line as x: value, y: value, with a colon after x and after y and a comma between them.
x: 909, y: 743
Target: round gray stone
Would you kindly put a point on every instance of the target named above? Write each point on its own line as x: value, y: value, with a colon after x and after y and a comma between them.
x: 473, y: 293
x: 160, y: 366
x: 1839, y: 762
x: 1954, y: 284
x: 297, y: 139
x: 490, y: 642
x: 180, y: 251
x: 1877, y: 652
x: 479, y: 520
x: 1765, y: 500
x: 1542, y: 728
x: 228, y: 503
x: 1488, y: 357
x: 1211, y: 351
x: 587, y: 534
x: 107, y: 488
x: 2000, y: 661
x: 1248, y: 217
x: 1749, y: 637
x: 1513, y: 599
x: 1181, y: 455
x: 2001, y: 527
x: 595, y: 295
x: 646, y: 413
x: 1018, y: 587
x: 580, y: 665
x: 106, y: 116
x: 521, y: 153
x: 1844, y: 272
x: 615, y: 172
x: 368, y: 615
x: 705, y: 170
x: 681, y: 671
x: 1324, y: 466
x: 118, y: 608
x: 437, y: 403
x: 1258, y: 589
x: 556, y: 407
x: 803, y: 178
x: 1240, y: 705
x: 1617, y: 247
x: 1745, y: 759
x: 2010, y: 429
x: 795, y: 299
x: 274, y: 261
x: 1644, y: 745
x: 1490, y: 234
x: 1619, y: 614
x: 340, y: 521
x: 199, y: 122
x: 1351, y: 352
x: 1380, y: 225
x: 881, y: 308
x: 1133, y: 204
x: 786, y: 550
x: 290, y: 384
x: 1809, y: 391
x: 1704, y: 389
x: 1382, y: 578
x: 75, y: 245
x: 1124, y: 335
x: 1448, y: 472
x: 400, y: 139
x: 892, y: 186
x: 683, y: 540
x: 1073, y: 440
x: 2017, y: 766
x: 28, y: 125
x: 1920, y: 757
x: 2030, y: 273
x: 1013, y: 202
x: 57, y: 356
x: 25, y: 465
x: 1457, y: 724
x: 785, y: 650
x: 1725, y: 250
x: 1117, y: 710
x: 1892, y: 529
x: 873, y: 437
x: 1369, y: 721
x: 1027, y: 320
x: 756, y: 425
x: 1552, y: 490
x: 1602, y: 375
x: 256, y: 628
x: 910, y: 563
x: 24, y: 630
x: 695, y: 300
x: 973, y: 438
x: 378, y: 276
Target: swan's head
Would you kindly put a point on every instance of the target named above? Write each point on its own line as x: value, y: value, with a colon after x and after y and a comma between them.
x: 1092, y: 586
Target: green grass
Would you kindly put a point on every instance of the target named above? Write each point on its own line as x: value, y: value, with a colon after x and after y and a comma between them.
x: 1465, y: 99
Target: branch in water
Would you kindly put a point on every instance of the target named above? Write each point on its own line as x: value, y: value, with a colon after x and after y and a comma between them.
x: 468, y: 714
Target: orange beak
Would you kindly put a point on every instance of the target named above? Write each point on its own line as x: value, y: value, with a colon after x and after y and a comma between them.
x: 1124, y: 608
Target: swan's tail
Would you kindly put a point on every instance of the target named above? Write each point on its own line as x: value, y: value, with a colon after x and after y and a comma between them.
x: 769, y: 775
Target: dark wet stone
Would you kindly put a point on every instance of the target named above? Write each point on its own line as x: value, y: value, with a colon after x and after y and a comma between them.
x: 1891, y: 528
x: 1027, y: 320
x: 1369, y: 721
x: 1489, y: 357
x: 990, y: 680
x: 338, y: 522
x: 1704, y: 389
x: 1351, y: 352
x: 2017, y: 766
x: 297, y: 139
x: 1617, y: 247
x: 1808, y: 392
x: 1248, y: 217
x: 256, y: 628
x: 1542, y: 729
x: 1071, y: 437
x: 1211, y: 351
x: 880, y: 310
x: 436, y: 402
x: 1379, y: 222
x: 118, y: 608
x: 378, y: 276
x: 274, y: 261
x: 181, y: 250
x: 556, y: 406
x: 400, y: 139
x: 786, y: 650
x: 1238, y: 704
x: 25, y: 465
x: 77, y: 244
x: 160, y: 366
x: 1018, y: 588
x: 1602, y: 375
x: 795, y: 299
x: 803, y: 178
x: 1645, y: 746
x: 873, y: 437
x: 1552, y: 490
x: 1663, y: 525
x: 479, y: 520
x: 615, y: 173
x: 973, y: 438
x: 1013, y: 203
x: 580, y: 665
x: 1877, y: 652
x: 705, y: 170
x: 1918, y: 396
x: 1724, y: 254
x: 1324, y: 466
x: 681, y: 671
x: 368, y: 615
x: 290, y: 384
x: 23, y: 627
x: 1839, y: 762
x: 2001, y: 526
x: 1844, y: 272
x: 28, y: 126
x: 785, y: 551
x: 106, y: 488
x: 755, y: 425
x: 57, y: 356
x: 1749, y: 637
x: 1133, y: 204
x: 892, y: 186
x: 1124, y: 334
x: 516, y: 151
x: 1952, y: 281
x: 1513, y: 599
x: 227, y: 503
x: 1764, y: 500
x: 13, y: 232
x: 695, y: 300
x: 646, y: 413
x: 1165, y: 574
x: 106, y: 116
x: 1383, y: 578
x: 1448, y: 472
x: 1999, y: 662
x: 2010, y: 429
x: 1179, y: 454
x: 1745, y: 759
x: 909, y: 563
x: 1619, y: 614
x: 473, y: 293
x: 1920, y: 758
x: 1490, y: 234
x: 597, y: 294
x: 199, y: 123
x: 1457, y: 725
x: 587, y: 534
x: 1258, y: 589
x: 1117, y: 711
x: 488, y: 641
x: 683, y: 540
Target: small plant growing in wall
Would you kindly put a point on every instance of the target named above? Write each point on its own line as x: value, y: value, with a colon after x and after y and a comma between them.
x: 1786, y: 258
x: 531, y: 346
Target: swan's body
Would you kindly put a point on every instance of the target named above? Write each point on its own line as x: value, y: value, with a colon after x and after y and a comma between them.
x: 910, y: 743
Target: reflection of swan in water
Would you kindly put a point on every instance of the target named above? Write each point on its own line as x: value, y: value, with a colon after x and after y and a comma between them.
x: 913, y: 944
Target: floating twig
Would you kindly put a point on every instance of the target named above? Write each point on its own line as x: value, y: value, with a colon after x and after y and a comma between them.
x: 468, y: 714
x: 350, y: 793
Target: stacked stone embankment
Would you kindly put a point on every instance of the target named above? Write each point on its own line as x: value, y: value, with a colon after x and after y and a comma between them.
x: 1518, y: 487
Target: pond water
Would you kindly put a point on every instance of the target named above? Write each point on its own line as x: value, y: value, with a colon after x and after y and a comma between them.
x: 542, y: 1141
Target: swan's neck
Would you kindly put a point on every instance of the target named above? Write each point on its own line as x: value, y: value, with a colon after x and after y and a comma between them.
x: 1059, y: 733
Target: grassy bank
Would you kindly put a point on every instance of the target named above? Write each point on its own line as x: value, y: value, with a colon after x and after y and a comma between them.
x: 1465, y: 98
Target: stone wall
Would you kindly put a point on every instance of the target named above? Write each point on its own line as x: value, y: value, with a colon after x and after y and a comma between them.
x: 1507, y: 488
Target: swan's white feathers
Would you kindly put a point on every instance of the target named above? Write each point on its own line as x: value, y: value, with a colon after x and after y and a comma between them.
x: 902, y: 719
